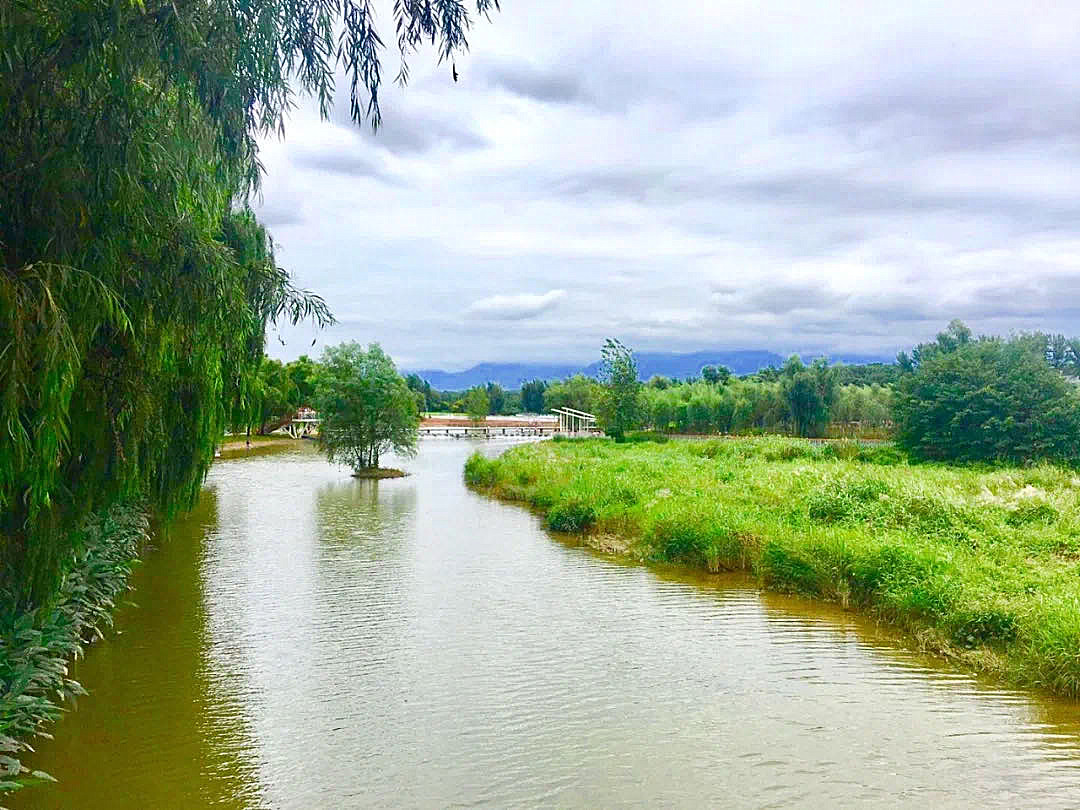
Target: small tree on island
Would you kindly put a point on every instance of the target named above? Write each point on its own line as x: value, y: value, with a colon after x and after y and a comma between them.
x: 477, y: 404
x: 366, y: 407
x: 620, y: 407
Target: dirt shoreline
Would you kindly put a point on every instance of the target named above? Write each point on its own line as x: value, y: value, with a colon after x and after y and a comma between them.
x: 241, y: 444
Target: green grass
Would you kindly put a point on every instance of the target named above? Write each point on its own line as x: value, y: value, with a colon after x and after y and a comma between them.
x: 981, y: 565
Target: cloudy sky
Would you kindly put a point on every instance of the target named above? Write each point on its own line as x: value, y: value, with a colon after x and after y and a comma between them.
x: 795, y: 176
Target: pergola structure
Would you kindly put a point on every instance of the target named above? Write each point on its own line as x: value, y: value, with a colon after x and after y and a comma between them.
x: 304, y: 423
x: 574, y: 421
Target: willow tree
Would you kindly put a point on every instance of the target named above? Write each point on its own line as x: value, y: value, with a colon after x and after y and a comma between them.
x: 621, y: 404
x: 367, y: 409
x: 135, y: 283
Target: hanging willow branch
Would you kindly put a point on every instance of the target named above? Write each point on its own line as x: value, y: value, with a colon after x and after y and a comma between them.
x: 136, y: 287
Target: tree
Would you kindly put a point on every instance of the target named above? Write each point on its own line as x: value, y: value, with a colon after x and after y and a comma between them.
x: 477, y: 404
x: 366, y: 408
x: 956, y: 334
x: 578, y: 392
x: 809, y: 394
x: 532, y: 396
x: 302, y: 372
x: 716, y: 375
x: 496, y: 398
x: 135, y: 283
x: 620, y: 408
x: 430, y: 396
x: 988, y: 400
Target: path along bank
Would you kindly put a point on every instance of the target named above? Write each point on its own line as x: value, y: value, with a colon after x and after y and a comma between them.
x: 982, y: 566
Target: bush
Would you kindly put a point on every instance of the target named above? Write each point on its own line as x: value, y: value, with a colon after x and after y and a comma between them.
x: 846, y: 500
x: 785, y: 569
x: 886, y: 455
x: 844, y: 450
x: 573, y: 516
x: 789, y: 451
x: 479, y: 471
x: 988, y: 400
x: 1031, y: 512
x: 638, y: 436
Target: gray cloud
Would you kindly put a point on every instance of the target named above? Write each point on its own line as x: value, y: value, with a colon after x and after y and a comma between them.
x: 410, y: 128
x: 350, y: 163
x: 726, y: 175
x: 545, y: 85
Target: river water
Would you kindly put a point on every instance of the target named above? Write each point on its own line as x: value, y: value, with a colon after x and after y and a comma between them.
x: 304, y: 640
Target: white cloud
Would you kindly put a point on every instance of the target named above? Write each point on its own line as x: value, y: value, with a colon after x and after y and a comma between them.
x: 699, y: 176
x: 515, y: 307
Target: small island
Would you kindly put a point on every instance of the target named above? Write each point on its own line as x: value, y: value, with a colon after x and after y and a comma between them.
x: 367, y: 410
x: 377, y: 473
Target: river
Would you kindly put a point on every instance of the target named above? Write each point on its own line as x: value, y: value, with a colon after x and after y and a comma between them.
x: 304, y: 640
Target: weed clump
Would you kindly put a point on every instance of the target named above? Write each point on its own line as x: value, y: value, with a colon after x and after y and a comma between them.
x: 638, y: 436
x: 572, y: 517
x: 480, y: 471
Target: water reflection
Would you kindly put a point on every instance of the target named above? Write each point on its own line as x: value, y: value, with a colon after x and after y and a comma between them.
x: 159, y: 726
x: 409, y: 643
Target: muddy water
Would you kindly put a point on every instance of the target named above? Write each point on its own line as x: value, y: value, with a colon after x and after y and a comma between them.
x: 304, y: 640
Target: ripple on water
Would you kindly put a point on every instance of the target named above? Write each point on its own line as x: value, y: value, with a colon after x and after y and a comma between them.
x: 314, y: 641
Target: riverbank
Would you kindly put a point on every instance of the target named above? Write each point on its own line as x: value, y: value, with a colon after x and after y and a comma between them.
x: 37, y: 646
x: 233, y: 443
x: 979, y: 566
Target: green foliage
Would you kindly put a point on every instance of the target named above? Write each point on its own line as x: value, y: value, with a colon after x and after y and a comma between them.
x: 716, y: 375
x: 809, y: 393
x: 532, y: 396
x: 987, y: 400
x: 497, y: 399
x: 571, y: 516
x: 479, y: 471
x: 366, y: 407
x: 477, y: 404
x: 636, y: 436
x: 620, y: 407
x: 37, y: 645
x: 135, y: 284
x: 578, y: 392
x: 980, y: 564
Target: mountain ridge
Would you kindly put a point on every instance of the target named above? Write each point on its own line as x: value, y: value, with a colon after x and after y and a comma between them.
x: 668, y: 364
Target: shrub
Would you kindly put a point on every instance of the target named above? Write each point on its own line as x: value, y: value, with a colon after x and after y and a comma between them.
x: 638, y: 436
x: 1031, y: 512
x: 988, y: 400
x: 844, y: 450
x: 785, y: 569
x: 886, y: 455
x: 846, y: 500
x: 789, y: 451
x: 573, y: 516
x: 480, y: 471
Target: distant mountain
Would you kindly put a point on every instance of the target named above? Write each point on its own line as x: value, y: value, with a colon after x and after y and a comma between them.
x: 508, y: 375
x: 668, y: 364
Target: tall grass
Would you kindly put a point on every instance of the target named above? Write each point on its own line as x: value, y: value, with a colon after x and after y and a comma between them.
x: 36, y: 646
x: 982, y: 565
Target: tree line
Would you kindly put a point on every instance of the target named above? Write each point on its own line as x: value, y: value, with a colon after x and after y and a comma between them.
x: 958, y: 398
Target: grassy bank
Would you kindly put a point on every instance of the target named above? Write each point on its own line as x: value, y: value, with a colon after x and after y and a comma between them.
x: 37, y: 646
x: 979, y: 565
